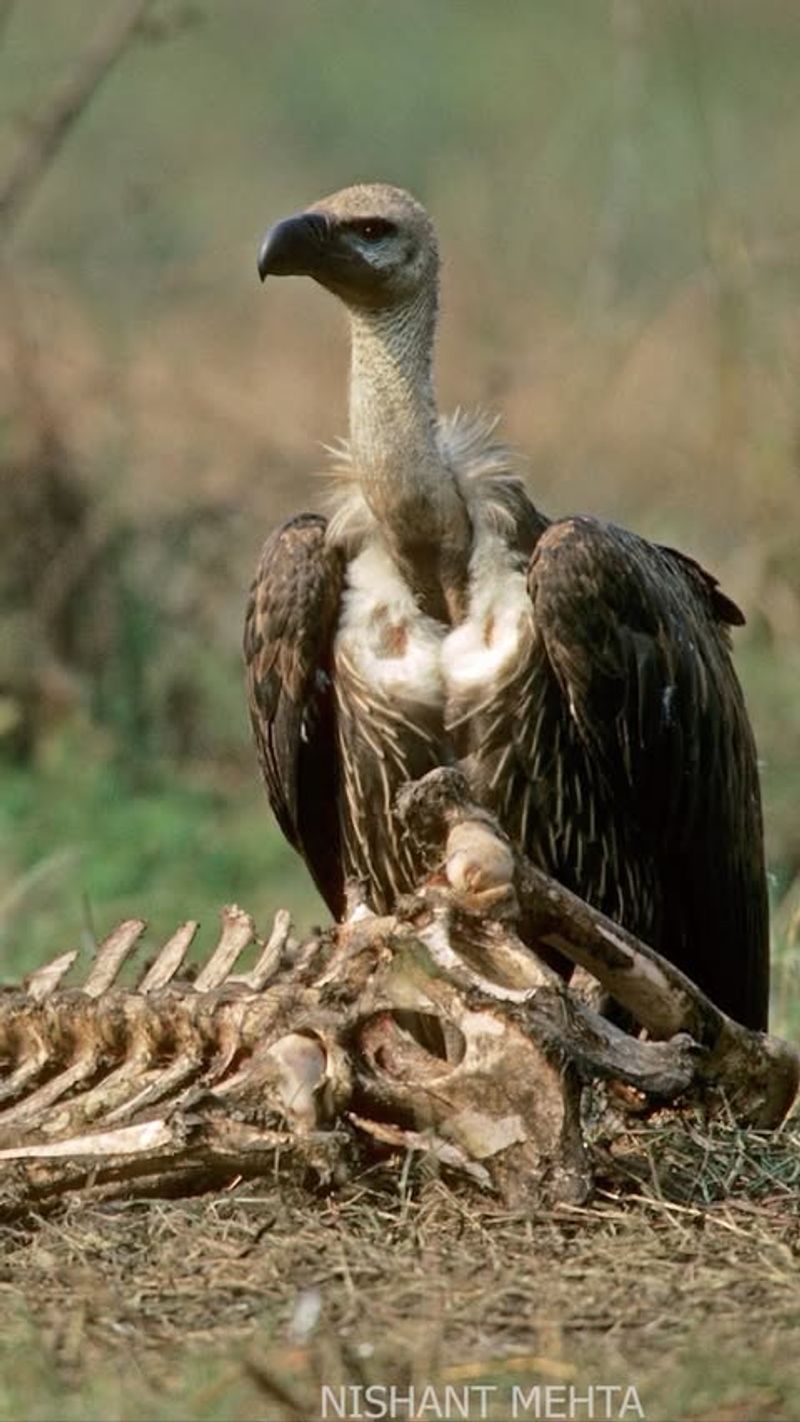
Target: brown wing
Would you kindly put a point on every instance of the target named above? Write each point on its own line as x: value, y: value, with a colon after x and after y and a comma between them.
x: 635, y: 638
x: 290, y: 625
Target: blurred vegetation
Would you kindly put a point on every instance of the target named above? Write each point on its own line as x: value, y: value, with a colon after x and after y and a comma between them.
x: 615, y: 187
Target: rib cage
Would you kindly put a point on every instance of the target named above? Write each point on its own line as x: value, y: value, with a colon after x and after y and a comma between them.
x: 75, y: 1057
x: 176, y: 1083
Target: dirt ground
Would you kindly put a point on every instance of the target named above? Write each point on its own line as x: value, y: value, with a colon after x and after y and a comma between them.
x: 680, y: 1280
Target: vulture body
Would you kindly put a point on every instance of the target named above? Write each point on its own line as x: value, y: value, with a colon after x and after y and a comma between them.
x: 580, y: 674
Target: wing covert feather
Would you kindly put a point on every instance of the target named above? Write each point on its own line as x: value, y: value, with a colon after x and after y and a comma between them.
x: 290, y: 625
x: 637, y: 640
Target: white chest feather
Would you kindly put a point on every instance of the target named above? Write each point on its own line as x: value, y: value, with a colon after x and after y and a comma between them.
x: 485, y: 650
x: 398, y: 651
x: 393, y: 647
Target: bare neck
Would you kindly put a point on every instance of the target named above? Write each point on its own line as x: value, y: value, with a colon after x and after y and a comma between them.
x: 412, y: 493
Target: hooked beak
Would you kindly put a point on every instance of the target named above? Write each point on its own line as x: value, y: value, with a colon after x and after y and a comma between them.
x: 295, y: 247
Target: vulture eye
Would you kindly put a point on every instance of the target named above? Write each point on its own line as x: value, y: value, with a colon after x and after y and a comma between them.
x: 372, y: 229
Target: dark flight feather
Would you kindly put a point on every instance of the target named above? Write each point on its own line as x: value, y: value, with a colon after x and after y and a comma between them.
x: 288, y: 645
x: 655, y: 725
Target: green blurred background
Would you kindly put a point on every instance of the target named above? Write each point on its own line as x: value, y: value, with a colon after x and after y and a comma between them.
x: 616, y: 186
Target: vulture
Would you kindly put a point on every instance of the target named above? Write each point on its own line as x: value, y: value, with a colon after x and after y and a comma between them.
x: 579, y: 674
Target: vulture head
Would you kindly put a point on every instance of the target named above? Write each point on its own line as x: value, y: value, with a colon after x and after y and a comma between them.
x: 372, y: 245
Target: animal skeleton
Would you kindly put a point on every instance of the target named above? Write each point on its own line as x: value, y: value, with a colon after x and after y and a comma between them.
x: 434, y: 1029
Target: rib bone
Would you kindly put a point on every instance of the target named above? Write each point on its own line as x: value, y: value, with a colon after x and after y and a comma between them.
x: 111, y: 955
x: 44, y: 981
x: 170, y: 959
x: 237, y: 932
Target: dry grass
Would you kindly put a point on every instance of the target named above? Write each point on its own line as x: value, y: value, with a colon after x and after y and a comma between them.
x: 244, y: 1303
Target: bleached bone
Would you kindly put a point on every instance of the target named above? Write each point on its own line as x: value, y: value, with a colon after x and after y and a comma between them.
x: 34, y: 1108
x: 111, y: 955
x: 237, y: 931
x: 270, y: 960
x: 426, y: 1143
x: 128, y: 1140
x: 163, y: 1154
x: 44, y: 981
x: 31, y: 1049
x: 759, y: 1073
x: 163, y: 969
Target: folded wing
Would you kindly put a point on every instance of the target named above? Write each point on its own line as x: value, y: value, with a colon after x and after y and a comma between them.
x: 290, y: 625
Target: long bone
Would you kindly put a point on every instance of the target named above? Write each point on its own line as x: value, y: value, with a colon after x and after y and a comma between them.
x: 758, y: 1072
